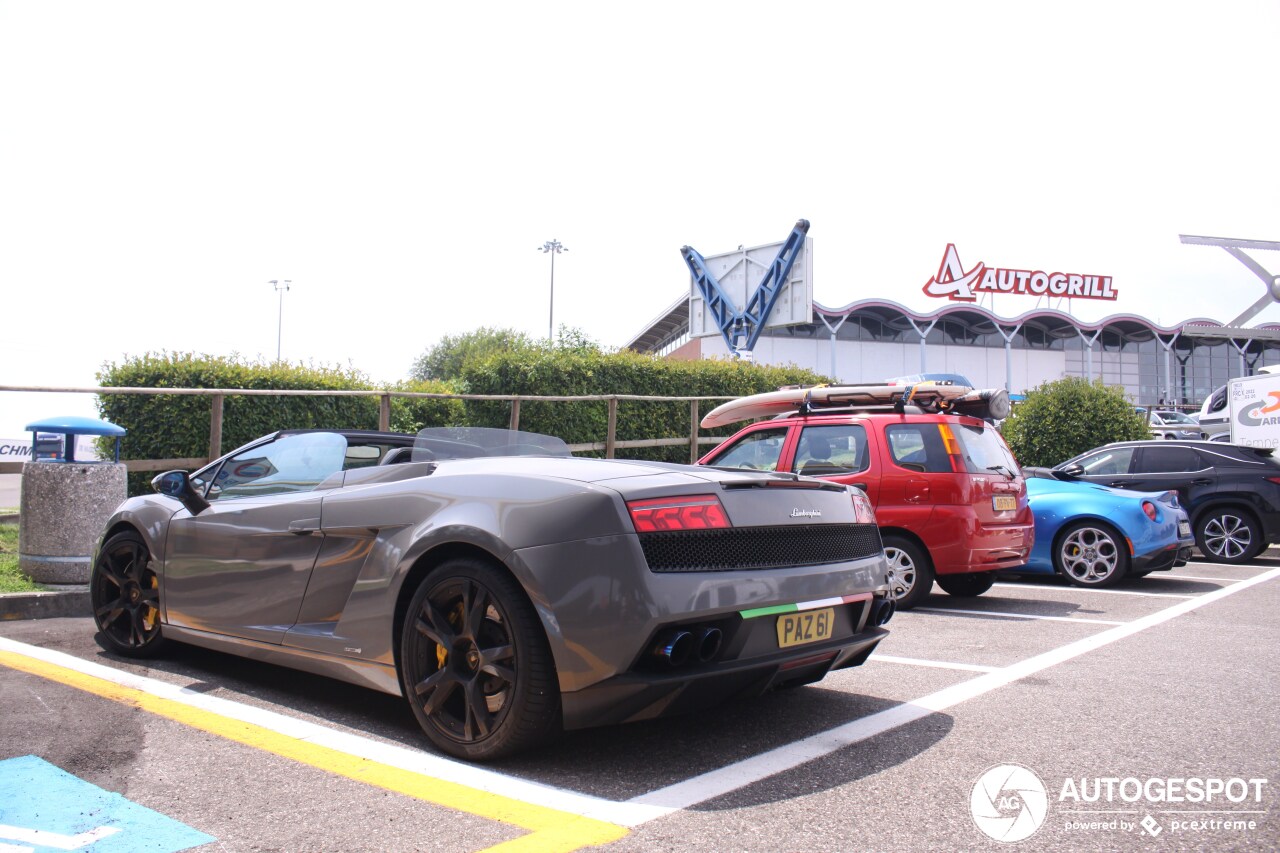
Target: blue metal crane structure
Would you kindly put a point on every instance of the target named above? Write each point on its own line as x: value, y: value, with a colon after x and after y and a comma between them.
x: 748, y: 323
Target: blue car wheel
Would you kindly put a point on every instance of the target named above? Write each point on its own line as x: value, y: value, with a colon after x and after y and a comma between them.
x: 1090, y: 553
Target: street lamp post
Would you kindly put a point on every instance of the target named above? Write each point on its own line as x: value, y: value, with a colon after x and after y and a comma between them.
x: 280, y: 286
x: 553, y: 248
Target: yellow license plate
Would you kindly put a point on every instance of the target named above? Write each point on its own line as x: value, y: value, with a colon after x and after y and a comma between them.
x: 809, y: 626
x: 1002, y: 503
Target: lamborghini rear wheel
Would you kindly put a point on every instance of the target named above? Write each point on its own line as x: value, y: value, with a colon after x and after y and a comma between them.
x: 475, y: 664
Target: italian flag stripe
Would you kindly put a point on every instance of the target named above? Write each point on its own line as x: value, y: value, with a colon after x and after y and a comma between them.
x: 796, y: 608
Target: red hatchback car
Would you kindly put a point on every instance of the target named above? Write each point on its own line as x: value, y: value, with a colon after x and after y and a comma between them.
x: 950, y: 499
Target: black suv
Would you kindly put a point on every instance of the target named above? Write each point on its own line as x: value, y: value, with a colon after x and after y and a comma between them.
x: 1232, y: 493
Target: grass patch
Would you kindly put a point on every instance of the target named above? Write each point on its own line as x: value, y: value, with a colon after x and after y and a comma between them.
x: 12, y: 580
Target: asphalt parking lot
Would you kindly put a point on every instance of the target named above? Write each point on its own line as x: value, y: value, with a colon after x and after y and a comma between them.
x: 1071, y: 719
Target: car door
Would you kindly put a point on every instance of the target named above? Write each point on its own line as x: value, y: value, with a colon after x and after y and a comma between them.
x: 241, y: 566
x: 1148, y: 468
x: 1109, y: 466
x: 1173, y: 468
x: 838, y: 452
x: 754, y: 449
x: 917, y: 474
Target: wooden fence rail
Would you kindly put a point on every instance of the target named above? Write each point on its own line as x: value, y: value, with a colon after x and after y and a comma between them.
x: 217, y: 398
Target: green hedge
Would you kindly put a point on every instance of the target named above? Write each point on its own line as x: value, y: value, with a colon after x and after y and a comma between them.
x: 569, y: 373
x: 1062, y: 419
x: 177, y: 426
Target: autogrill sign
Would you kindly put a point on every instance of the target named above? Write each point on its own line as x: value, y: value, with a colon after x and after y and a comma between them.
x: 954, y: 282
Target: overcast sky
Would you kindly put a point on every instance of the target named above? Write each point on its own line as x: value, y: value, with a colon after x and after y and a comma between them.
x: 401, y: 163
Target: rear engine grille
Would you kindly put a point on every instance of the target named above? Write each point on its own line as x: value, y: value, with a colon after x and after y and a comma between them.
x: 739, y: 548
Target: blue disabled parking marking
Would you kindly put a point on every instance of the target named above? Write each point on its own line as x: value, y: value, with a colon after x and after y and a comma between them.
x: 45, y: 809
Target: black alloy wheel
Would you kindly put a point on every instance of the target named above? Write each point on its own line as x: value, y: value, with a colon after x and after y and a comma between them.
x: 125, y: 594
x: 910, y: 572
x: 1229, y: 535
x: 475, y: 664
x: 966, y: 585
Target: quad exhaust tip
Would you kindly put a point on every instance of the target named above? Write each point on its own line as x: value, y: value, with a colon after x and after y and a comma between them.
x: 708, y: 644
x: 679, y: 646
x: 674, y: 647
x: 882, y: 611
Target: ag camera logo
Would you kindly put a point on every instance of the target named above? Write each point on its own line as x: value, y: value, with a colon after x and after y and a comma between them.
x: 1009, y: 802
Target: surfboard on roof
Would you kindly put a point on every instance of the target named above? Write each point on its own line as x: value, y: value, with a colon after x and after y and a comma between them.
x: 930, y: 396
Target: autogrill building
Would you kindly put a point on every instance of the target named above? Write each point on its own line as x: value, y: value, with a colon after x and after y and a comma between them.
x: 874, y: 339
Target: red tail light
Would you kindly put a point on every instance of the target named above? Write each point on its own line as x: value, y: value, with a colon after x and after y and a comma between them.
x: 1150, y: 509
x: 1274, y: 479
x: 687, y: 512
x: 954, y: 453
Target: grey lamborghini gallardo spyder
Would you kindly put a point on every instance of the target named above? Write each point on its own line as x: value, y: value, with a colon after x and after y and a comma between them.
x: 507, y: 588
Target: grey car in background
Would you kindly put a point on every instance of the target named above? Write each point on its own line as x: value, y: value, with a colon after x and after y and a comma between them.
x: 1172, y: 424
x: 506, y: 588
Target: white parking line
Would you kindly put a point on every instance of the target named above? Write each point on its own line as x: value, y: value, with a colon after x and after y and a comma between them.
x: 1196, y: 578
x: 719, y: 782
x: 680, y: 795
x: 1205, y: 564
x: 1093, y: 589
x: 1015, y: 615
x: 404, y: 758
x: 937, y: 664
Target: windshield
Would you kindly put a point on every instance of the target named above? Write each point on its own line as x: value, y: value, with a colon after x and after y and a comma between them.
x: 437, y: 443
x: 1175, y: 418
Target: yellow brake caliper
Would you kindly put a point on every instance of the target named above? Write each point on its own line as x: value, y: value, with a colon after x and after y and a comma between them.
x: 455, y: 621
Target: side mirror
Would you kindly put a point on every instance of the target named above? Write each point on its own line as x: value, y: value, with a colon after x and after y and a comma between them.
x: 1072, y: 471
x: 177, y: 484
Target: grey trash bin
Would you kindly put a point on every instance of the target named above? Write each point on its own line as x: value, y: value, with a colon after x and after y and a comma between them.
x: 65, y: 501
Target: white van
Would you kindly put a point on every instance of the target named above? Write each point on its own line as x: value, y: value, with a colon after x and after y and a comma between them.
x: 1215, y: 416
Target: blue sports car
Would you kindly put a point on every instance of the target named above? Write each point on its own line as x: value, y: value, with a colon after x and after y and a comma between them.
x: 1096, y: 536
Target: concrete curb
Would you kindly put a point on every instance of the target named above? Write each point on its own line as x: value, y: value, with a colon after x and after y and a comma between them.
x: 46, y: 604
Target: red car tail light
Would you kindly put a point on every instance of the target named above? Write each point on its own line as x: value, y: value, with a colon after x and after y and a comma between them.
x: 1274, y: 479
x: 953, y: 449
x: 686, y: 512
x: 1150, y: 509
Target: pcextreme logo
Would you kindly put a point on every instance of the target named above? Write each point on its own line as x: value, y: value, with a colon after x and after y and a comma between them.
x: 954, y: 282
x: 1011, y: 803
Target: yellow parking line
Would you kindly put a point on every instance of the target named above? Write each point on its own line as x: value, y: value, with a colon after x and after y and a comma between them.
x: 549, y: 830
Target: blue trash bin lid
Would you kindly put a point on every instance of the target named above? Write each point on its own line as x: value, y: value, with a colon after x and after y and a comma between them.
x: 76, y: 425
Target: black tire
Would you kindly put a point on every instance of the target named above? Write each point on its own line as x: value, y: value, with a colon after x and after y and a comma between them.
x: 911, y: 572
x: 1229, y: 535
x: 1091, y: 554
x: 475, y: 664
x: 967, y: 585
x: 125, y: 593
